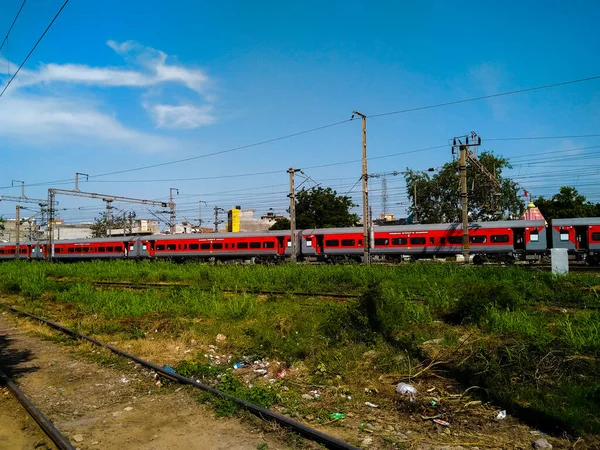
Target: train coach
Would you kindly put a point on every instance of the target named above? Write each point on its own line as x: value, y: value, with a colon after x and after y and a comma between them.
x: 501, y: 241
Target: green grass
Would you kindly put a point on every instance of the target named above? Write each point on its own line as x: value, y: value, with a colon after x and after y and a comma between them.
x: 535, y: 344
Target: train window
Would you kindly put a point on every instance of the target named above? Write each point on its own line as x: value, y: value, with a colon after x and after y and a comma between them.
x: 442, y: 240
x: 71, y: 250
x: 308, y: 242
x: 254, y: 244
x: 477, y: 239
x: 432, y: 240
x: 85, y: 250
x: 360, y: 242
x: 382, y: 241
x: 1, y: 252
x: 268, y: 244
x: 595, y: 236
x: 171, y: 247
x: 118, y: 248
x: 534, y: 236
x: 204, y: 246
x: 503, y: 238
x: 564, y: 235
x: 23, y: 250
x: 12, y: 251
x: 194, y: 246
x: 455, y: 240
x: 159, y: 247
x: 101, y: 249
x: 348, y: 242
x: 242, y: 245
x: 332, y: 243
x: 78, y: 250
x: 399, y: 241
x: 418, y: 240
x: 233, y: 245
x: 217, y: 246
x: 144, y: 247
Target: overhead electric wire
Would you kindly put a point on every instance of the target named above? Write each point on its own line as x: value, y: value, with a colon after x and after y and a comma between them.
x: 484, y: 97
x: 12, y: 24
x: 526, y: 138
x: 34, y: 47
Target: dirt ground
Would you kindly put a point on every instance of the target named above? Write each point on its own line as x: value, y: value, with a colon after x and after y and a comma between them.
x: 119, y: 406
x: 100, y: 407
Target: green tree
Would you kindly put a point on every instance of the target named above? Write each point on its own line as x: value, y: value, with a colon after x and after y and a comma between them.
x: 568, y: 203
x: 320, y: 208
x: 438, y: 195
x: 1, y: 223
x: 101, y: 225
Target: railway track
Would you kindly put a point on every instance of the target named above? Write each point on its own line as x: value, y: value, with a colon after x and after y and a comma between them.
x: 265, y: 414
x: 61, y: 442
x: 130, y: 285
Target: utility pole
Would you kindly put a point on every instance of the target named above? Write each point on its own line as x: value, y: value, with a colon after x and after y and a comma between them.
x: 77, y: 179
x: 22, y: 186
x: 292, y: 196
x: 200, y: 214
x: 173, y: 216
x: 217, y: 221
x: 365, y: 186
x: 415, y: 219
x: 108, y: 215
x: 17, y: 230
x: 465, y: 153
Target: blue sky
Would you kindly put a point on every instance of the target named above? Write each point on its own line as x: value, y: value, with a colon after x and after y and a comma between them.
x: 119, y: 85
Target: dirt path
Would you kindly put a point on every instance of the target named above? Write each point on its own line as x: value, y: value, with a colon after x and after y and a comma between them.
x: 103, y: 407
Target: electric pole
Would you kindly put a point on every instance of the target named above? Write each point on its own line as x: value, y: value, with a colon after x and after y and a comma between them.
x: 217, y: 221
x: 292, y: 196
x: 415, y: 219
x: 200, y: 214
x: 173, y: 216
x: 108, y: 216
x: 17, y: 230
x: 365, y: 186
x: 465, y: 153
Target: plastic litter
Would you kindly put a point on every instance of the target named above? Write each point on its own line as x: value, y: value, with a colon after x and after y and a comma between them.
x: 371, y: 405
x: 314, y: 393
x: 336, y: 416
x: 169, y: 369
x: 441, y: 422
x: 261, y: 371
x: 282, y: 373
x: 406, y: 389
x: 238, y: 366
x: 501, y: 415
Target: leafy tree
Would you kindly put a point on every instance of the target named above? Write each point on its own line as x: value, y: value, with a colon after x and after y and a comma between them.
x: 1, y: 223
x: 320, y: 208
x: 100, y: 226
x: 438, y: 195
x: 567, y: 203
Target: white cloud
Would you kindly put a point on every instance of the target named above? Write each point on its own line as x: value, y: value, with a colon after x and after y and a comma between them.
x: 181, y: 117
x: 37, y: 120
x: 149, y: 68
x: 47, y: 116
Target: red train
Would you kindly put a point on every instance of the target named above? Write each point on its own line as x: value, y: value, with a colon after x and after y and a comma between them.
x: 503, y: 240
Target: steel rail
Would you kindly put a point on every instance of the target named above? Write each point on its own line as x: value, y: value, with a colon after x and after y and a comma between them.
x: 265, y: 414
x: 48, y: 427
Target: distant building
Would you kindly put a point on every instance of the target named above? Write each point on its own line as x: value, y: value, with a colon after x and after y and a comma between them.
x: 243, y: 220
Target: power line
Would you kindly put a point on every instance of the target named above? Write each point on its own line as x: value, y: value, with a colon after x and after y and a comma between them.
x: 12, y: 25
x: 34, y: 47
x: 543, y: 137
x: 483, y: 97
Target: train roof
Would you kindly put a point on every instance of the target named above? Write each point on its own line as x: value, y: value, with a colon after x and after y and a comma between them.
x: 203, y: 236
x: 578, y: 221
x: 435, y: 226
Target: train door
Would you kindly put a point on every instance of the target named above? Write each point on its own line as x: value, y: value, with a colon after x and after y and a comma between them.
x: 519, y: 238
x: 319, y: 248
x: 281, y: 245
x: 581, y: 238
